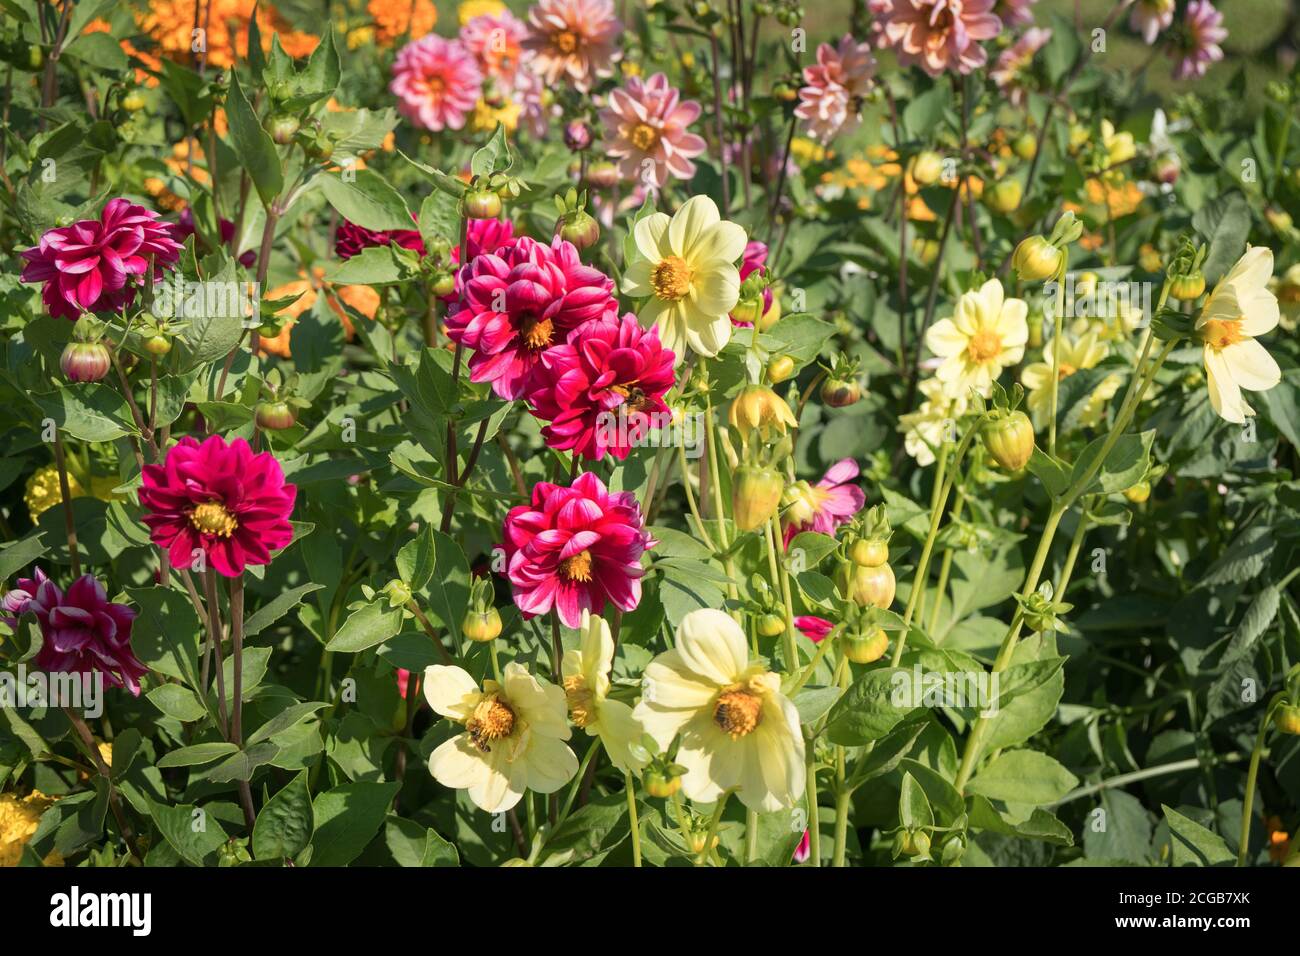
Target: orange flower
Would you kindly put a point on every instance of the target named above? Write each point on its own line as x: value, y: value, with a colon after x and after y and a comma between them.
x: 362, y: 298
x: 395, y: 19
x: 170, y: 23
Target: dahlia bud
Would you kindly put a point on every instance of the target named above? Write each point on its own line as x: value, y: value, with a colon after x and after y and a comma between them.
x: 865, y: 648
x: 1188, y: 286
x: 927, y: 168
x: 1025, y: 146
x: 770, y: 625
x: 1010, y: 440
x: 577, y: 135
x: 1167, y: 170
x: 158, y: 345
x: 660, y: 785
x: 398, y: 593
x: 758, y: 407
x: 756, y: 492
x: 840, y: 393
x: 481, y: 625
x: 275, y: 416
x: 867, y: 586
x: 1036, y: 259
x: 482, y: 204
x: 444, y: 284
x: 1138, y: 493
x: 1287, y: 719
x: 133, y: 102
x: 1005, y: 195
x: 602, y: 175
x: 85, y: 361
x: 282, y: 127
x: 771, y: 316
x: 869, y: 552
x: 779, y: 369
x: 579, y: 228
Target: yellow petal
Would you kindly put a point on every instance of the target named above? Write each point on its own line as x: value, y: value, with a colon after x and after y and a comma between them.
x: 712, y: 645
x: 450, y: 691
x: 689, y: 224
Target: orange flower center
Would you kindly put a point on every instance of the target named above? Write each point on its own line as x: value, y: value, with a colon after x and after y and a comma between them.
x: 644, y: 137
x: 671, y: 279
x: 491, y: 720
x: 537, y: 334
x: 984, y: 346
x: 1065, y: 369
x: 580, y: 699
x: 566, y: 42
x: 738, y: 712
x: 576, y: 568
x: 211, y: 517
x: 1220, y: 333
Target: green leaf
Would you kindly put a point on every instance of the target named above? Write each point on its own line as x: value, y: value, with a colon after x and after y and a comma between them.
x: 19, y: 554
x: 165, y: 634
x: 448, y: 589
x: 291, y: 715
x: 197, y: 755
x: 192, y: 832
x: 347, y: 819
x: 1124, y: 466
x: 368, y: 200
x: 277, y: 607
x: 414, y: 845
x: 1193, y: 844
x: 374, y: 265
x: 1225, y: 222
x: 89, y: 411
x: 285, y: 825
x: 253, y: 145
x: 1041, y: 824
x: 590, y: 832
x: 369, y: 625
x: 813, y: 702
x: 1254, y: 623
x: 178, y: 702
x: 1023, y: 776
x: 494, y: 156
x: 448, y: 184
x: 913, y: 806
x: 416, y: 560
x: 867, y: 711
x: 1052, y: 472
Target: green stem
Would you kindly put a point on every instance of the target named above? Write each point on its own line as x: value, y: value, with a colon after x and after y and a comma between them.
x: 629, y: 785
x: 843, y: 794
x: 707, y: 849
x: 814, y: 819
x: 1252, y: 774
x: 945, y: 566
x: 782, y: 588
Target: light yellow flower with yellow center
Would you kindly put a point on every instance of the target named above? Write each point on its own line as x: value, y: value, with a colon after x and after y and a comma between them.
x: 986, y: 333
x: 738, y: 731
x: 513, y: 739
x: 929, y: 426
x: 486, y: 116
x: 1120, y: 147
x: 1287, y: 289
x: 1239, y: 309
x: 1077, y: 354
x: 586, y: 688
x: 685, y: 269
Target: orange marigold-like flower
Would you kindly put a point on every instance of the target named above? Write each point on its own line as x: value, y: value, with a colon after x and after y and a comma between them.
x: 396, y: 19
x: 170, y: 24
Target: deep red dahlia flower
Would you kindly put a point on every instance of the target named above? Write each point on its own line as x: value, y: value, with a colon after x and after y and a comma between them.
x: 520, y: 301
x: 599, y: 389
x: 88, y: 266
x: 576, y: 548
x: 222, y: 500
x: 350, y: 239
x: 82, y: 630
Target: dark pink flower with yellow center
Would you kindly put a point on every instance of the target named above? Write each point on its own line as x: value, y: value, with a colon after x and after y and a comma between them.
x: 814, y: 628
x: 825, y: 506
x: 95, y: 265
x: 224, y: 501
x: 576, y: 549
x: 436, y: 82
x: 603, y: 389
x: 82, y: 631
x: 520, y: 301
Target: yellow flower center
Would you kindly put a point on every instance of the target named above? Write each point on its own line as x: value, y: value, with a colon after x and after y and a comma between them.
x: 1220, y: 333
x: 738, y: 711
x: 671, y: 279
x: 644, y: 137
x: 582, y: 703
x: 984, y: 346
x: 491, y: 720
x: 211, y: 517
x: 537, y: 334
x: 566, y: 41
x: 576, y: 568
x: 1064, y: 369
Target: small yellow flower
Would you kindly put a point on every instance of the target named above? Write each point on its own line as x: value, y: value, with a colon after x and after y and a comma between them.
x: 513, y: 740
x: 586, y: 688
x: 1240, y: 309
x: 470, y: 9
x: 486, y: 116
x: 1120, y: 147
x: 42, y: 491
x: 1076, y: 354
x: 738, y: 731
x: 986, y: 334
x: 19, y: 817
x: 685, y: 269
x: 930, y: 425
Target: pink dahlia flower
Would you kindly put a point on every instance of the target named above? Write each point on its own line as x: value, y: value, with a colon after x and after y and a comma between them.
x: 825, y: 506
x: 437, y: 82
x: 350, y: 239
x: 573, y: 40
x: 1198, y: 46
x: 814, y: 628
x: 646, y: 131
x: 834, y: 87
x: 496, y: 41
x: 600, y: 389
x: 575, y: 549
x: 1015, y: 13
x: 222, y: 500
x: 82, y: 630
x: 1150, y: 17
x: 95, y: 265
x: 1012, y: 63
x: 941, y: 35
x: 520, y: 301
x: 754, y: 260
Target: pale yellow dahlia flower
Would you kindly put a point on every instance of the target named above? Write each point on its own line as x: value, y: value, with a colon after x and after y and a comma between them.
x: 586, y: 687
x: 986, y: 333
x: 1239, y: 309
x: 685, y: 269
x: 1076, y: 355
x: 929, y: 426
x: 513, y: 740
x: 738, y: 731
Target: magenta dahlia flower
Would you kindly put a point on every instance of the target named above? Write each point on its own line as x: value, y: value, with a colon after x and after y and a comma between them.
x: 95, y: 265
x: 646, y: 130
x: 825, y: 506
x: 941, y: 35
x: 575, y: 549
x: 833, y: 89
x: 520, y: 301
x: 82, y: 631
x: 1197, y: 46
x: 350, y: 239
x: 437, y: 82
x: 222, y: 500
x: 600, y: 389
x: 814, y: 628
